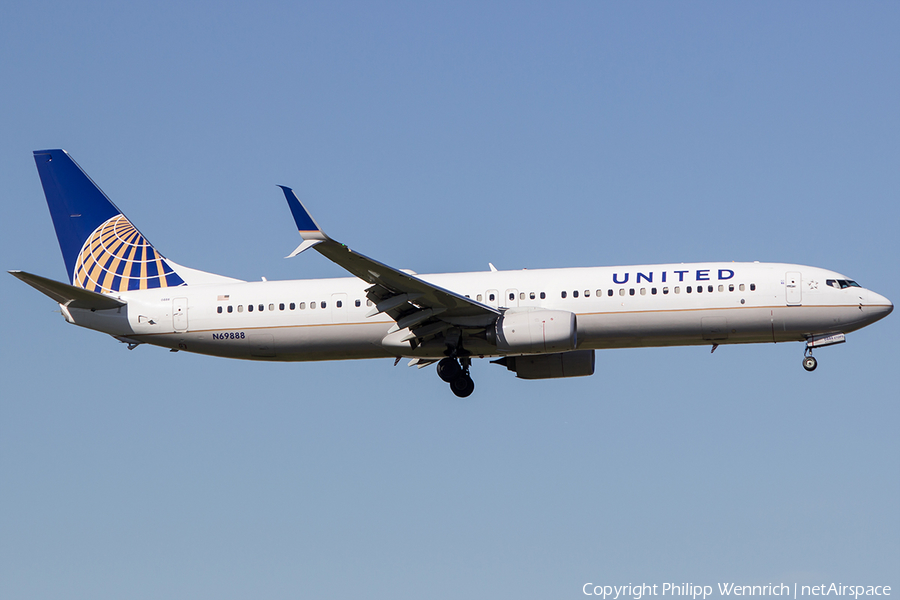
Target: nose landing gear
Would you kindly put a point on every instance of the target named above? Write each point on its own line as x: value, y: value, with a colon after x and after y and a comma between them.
x: 456, y: 373
x: 809, y: 363
x: 820, y: 340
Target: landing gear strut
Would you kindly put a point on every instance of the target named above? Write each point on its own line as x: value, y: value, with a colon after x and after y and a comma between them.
x: 456, y: 373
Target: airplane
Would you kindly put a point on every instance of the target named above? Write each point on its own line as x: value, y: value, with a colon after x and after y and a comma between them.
x: 540, y: 324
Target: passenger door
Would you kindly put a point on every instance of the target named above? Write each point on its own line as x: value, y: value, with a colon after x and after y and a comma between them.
x: 179, y: 314
x: 792, y: 288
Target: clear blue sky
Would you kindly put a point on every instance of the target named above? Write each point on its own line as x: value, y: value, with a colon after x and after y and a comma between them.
x: 438, y: 137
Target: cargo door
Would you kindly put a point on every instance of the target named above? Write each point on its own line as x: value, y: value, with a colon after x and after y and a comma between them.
x: 262, y: 345
x: 714, y: 328
x: 792, y: 288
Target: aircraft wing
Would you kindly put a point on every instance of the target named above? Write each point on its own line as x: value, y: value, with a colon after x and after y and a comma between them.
x: 424, y: 308
x: 68, y: 295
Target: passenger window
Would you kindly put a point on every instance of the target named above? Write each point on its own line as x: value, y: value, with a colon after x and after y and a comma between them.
x: 721, y: 288
x: 478, y: 297
x: 599, y: 293
x: 368, y: 303
x: 312, y: 304
x: 281, y: 306
x: 303, y: 306
x: 688, y: 289
x: 665, y: 291
x: 522, y: 295
x: 575, y: 294
x: 531, y: 295
x: 752, y: 287
x: 631, y: 292
x: 742, y: 287
x: 358, y: 303
x: 249, y: 308
x: 322, y: 304
x: 491, y: 297
x: 229, y: 309
x: 219, y: 309
x: 709, y: 288
x: 339, y: 303
x: 512, y: 296
x: 609, y: 293
x: 272, y: 307
x: 563, y: 294
x: 730, y: 287
x: 292, y: 306
x: 677, y: 289
x: 260, y: 308
x: 543, y: 295
x: 587, y: 293
x: 653, y: 291
x: 621, y: 291
x: 240, y: 308
x: 643, y: 291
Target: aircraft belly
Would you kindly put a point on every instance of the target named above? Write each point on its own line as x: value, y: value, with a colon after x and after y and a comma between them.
x: 721, y: 326
x: 292, y: 343
x: 675, y: 328
x: 332, y: 342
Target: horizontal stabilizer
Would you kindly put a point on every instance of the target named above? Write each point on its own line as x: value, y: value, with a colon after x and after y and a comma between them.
x: 68, y: 295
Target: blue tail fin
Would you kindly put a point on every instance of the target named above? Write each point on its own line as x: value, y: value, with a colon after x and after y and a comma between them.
x: 102, y: 250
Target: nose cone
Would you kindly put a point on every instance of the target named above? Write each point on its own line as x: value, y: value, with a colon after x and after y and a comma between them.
x: 880, y: 305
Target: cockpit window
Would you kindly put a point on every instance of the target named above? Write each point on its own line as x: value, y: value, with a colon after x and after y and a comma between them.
x: 841, y: 283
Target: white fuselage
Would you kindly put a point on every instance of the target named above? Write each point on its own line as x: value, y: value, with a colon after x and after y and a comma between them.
x: 615, y: 307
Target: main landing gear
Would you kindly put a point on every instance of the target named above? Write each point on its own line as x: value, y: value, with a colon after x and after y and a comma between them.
x: 456, y: 373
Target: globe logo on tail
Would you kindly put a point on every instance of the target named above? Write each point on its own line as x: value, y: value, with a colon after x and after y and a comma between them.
x: 117, y: 258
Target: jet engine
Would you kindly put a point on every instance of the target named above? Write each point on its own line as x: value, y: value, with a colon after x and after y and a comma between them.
x: 578, y: 363
x: 534, y: 331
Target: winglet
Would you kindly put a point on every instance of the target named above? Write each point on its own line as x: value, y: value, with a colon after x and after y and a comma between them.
x: 306, y: 245
x: 306, y: 225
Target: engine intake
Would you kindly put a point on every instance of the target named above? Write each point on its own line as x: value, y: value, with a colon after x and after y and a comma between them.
x: 534, y: 331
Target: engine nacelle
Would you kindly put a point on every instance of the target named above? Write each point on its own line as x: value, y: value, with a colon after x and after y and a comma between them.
x: 578, y: 363
x: 534, y: 331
